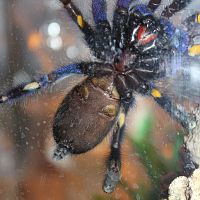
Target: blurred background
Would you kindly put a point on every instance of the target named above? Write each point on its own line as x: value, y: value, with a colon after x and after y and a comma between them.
x: 37, y: 36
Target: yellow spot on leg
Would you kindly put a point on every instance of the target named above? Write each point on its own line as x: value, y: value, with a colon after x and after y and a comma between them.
x: 80, y: 21
x: 194, y: 50
x: 155, y: 93
x: 198, y: 18
x: 121, y: 119
x: 31, y: 86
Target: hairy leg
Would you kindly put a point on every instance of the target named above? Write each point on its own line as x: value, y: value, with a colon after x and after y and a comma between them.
x: 25, y: 89
x: 174, y: 7
x: 119, y: 23
x: 103, y: 44
x: 175, y: 110
x: 113, y: 170
x: 192, y: 24
x: 76, y: 15
x: 89, y: 34
x: 191, y: 20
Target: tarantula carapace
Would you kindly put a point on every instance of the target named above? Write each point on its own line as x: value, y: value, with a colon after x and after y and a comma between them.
x: 129, y: 58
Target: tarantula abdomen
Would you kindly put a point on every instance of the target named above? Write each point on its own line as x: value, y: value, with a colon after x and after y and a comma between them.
x: 85, y: 116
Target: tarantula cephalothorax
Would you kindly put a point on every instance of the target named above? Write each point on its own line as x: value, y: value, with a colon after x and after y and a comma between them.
x: 130, y: 57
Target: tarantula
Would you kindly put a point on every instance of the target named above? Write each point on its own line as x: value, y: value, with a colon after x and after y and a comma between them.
x: 130, y: 58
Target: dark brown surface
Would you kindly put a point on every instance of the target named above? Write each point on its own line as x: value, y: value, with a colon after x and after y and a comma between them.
x: 79, y: 121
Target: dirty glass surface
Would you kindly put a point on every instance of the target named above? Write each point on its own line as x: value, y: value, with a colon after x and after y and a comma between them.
x: 36, y: 37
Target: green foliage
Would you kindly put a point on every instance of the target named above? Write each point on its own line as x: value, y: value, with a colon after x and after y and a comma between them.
x: 148, y: 154
x: 156, y: 165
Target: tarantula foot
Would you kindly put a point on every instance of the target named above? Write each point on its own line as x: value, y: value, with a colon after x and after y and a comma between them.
x: 112, y: 176
x: 60, y: 152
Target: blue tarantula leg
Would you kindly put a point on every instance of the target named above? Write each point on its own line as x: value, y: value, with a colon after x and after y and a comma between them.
x: 123, y: 3
x: 31, y: 87
x: 179, y: 38
x: 24, y: 89
x: 103, y: 40
x: 191, y: 21
x: 154, y: 4
x: 119, y: 23
x: 99, y: 11
x: 175, y: 110
x: 113, y: 172
x: 174, y: 7
x: 100, y: 19
x: 192, y: 24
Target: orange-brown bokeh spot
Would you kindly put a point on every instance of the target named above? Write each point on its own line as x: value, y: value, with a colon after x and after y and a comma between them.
x: 34, y: 40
